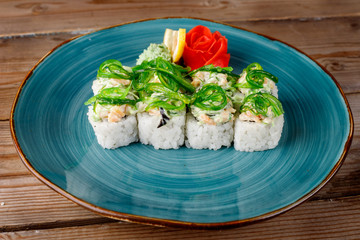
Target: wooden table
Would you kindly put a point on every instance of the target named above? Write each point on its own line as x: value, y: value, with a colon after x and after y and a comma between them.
x: 329, y: 31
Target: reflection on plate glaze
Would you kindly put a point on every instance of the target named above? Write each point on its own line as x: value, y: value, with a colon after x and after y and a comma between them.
x: 185, y: 187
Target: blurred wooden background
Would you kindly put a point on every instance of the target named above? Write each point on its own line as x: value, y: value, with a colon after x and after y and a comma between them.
x: 327, y: 30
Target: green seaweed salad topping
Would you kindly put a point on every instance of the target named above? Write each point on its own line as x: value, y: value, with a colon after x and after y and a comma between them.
x: 259, y: 103
x: 210, y: 97
x: 116, y: 95
x: 161, y: 84
x: 255, y: 77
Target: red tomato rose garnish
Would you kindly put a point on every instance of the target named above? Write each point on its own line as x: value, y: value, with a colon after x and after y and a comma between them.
x: 203, y: 48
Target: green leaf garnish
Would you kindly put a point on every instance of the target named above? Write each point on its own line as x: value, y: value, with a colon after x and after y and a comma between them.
x: 210, y: 97
x: 170, y: 75
x: 253, y: 66
x: 255, y: 77
x: 114, y: 96
x: 259, y: 103
x: 160, y: 96
x: 113, y: 69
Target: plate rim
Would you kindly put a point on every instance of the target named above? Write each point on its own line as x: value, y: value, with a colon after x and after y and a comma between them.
x: 168, y: 222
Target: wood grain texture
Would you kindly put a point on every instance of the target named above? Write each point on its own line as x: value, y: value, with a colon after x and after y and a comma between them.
x: 330, y: 220
x: 23, y: 17
x: 339, y: 53
x: 329, y: 31
x: 29, y: 204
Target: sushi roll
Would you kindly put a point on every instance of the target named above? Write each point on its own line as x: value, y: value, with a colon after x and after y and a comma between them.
x: 162, y: 106
x: 209, y: 124
x: 112, y: 113
x: 259, y: 124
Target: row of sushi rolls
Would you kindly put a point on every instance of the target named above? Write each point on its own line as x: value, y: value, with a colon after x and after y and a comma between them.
x: 182, y: 92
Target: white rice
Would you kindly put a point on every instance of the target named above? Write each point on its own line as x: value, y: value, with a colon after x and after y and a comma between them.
x: 274, y: 91
x: 204, y: 136
x: 252, y: 136
x: 113, y: 135
x: 97, y: 86
x: 169, y: 136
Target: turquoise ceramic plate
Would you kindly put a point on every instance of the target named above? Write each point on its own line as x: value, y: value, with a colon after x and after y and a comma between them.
x: 185, y: 187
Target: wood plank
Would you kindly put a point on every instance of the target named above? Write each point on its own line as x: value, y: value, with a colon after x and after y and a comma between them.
x: 42, y: 206
x: 15, y: 64
x: 345, y: 69
x: 28, y: 202
x: 10, y: 163
x: 339, y: 53
x: 346, y: 181
x: 312, y: 220
x: 22, y: 17
x: 24, y: 198
x: 19, y: 55
x: 315, y: 38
